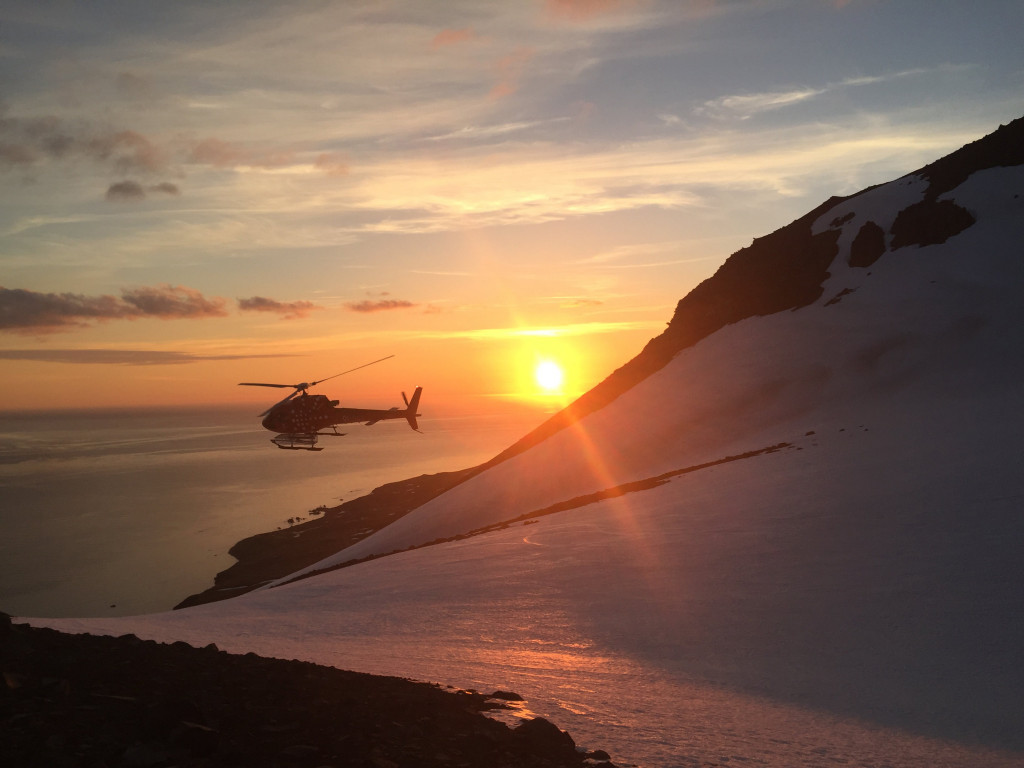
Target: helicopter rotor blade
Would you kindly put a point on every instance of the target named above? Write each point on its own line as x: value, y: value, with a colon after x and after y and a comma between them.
x: 366, y: 365
x: 301, y: 388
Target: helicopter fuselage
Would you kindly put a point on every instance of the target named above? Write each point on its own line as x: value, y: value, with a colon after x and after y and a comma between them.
x: 307, y: 414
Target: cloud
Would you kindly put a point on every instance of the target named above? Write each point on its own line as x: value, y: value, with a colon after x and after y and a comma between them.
x: 440, y: 273
x: 575, y: 302
x: 126, y: 191
x: 117, y: 356
x: 581, y: 10
x: 448, y: 37
x: 173, y: 301
x: 223, y: 154
x: 490, y: 131
x: 132, y: 151
x: 23, y: 311
x: 166, y: 188
x: 332, y: 163
x: 482, y: 185
x: 381, y: 305
x: 133, y: 87
x: 217, y: 153
x: 16, y: 155
x: 291, y: 309
x: 510, y: 71
x: 745, y: 106
x: 131, y: 191
x: 748, y: 105
x: 572, y: 330
x: 634, y: 251
x: 27, y: 141
x: 31, y: 141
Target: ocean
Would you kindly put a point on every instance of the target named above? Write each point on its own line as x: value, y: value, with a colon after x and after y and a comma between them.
x: 122, y: 512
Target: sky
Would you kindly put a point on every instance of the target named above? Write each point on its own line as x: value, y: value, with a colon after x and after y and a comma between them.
x: 198, y: 194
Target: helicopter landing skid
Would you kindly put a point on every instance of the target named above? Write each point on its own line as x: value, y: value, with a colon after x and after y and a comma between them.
x: 296, y: 442
x: 303, y: 441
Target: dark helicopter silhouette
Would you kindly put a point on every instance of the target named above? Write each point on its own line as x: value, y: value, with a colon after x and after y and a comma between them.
x: 299, y: 417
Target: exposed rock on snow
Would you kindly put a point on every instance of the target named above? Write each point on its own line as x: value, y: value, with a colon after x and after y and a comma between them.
x: 929, y: 222
x: 868, y: 246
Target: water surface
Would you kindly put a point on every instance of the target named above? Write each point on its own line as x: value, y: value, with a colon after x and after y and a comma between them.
x: 117, y: 512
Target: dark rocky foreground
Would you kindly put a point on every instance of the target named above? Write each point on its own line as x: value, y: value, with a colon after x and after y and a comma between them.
x: 82, y: 700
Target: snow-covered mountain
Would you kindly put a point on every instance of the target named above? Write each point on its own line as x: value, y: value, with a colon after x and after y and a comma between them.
x: 789, y: 531
x: 886, y: 309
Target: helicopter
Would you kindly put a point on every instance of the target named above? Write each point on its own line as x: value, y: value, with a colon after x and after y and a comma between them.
x: 300, y: 417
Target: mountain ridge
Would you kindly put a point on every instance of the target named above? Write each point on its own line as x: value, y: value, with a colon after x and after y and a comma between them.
x: 786, y: 270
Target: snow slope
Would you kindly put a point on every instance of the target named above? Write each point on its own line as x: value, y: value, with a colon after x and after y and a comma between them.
x: 934, y: 322
x: 853, y: 596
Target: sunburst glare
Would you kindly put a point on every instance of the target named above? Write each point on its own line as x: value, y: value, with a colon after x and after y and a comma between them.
x: 549, y: 376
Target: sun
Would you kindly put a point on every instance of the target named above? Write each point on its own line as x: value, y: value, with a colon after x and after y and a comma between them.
x: 549, y: 376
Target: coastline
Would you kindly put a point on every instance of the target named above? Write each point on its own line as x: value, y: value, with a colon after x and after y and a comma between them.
x: 276, y: 554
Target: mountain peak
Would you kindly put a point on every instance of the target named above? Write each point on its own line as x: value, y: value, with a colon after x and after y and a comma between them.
x: 1003, y: 147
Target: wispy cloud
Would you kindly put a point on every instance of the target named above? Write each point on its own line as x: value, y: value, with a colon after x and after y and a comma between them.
x: 491, y: 131
x: 636, y: 252
x: 448, y: 37
x: 287, y: 309
x: 32, y: 143
x: 546, y: 181
x: 125, y: 191
x: 24, y: 311
x: 560, y: 331
x: 582, y: 10
x: 493, y: 184
x: 131, y: 191
x: 657, y: 264
x: 744, y: 106
x: 748, y: 105
x: 510, y: 70
x: 171, y: 301
x: 226, y: 154
x: 27, y: 141
x: 440, y: 273
x: 575, y: 302
x: 379, y: 305
x: 331, y: 163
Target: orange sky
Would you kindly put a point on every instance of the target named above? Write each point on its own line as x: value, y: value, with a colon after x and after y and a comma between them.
x: 230, y: 192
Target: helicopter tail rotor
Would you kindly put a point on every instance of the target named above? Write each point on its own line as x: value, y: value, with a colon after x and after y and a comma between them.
x: 411, y: 406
